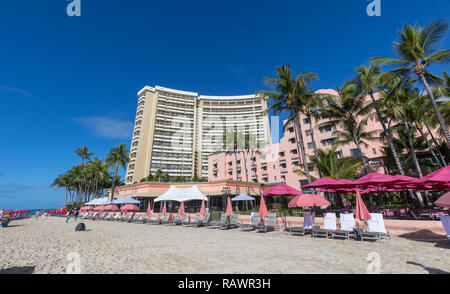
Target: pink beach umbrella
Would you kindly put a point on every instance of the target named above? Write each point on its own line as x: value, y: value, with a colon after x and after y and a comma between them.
x: 444, y: 201
x: 361, y: 210
x: 282, y: 190
x: 375, y: 190
x: 149, y: 209
x: 262, y: 208
x: 101, y: 208
x: 111, y: 207
x: 374, y: 179
x: 309, y: 200
x: 203, y: 208
x: 229, y: 211
x: 181, y: 211
x: 439, y: 178
x: 129, y: 207
x: 164, y: 209
x: 321, y: 183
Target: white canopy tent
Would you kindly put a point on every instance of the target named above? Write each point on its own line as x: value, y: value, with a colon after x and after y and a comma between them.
x: 180, y: 194
x: 126, y: 200
x: 99, y: 201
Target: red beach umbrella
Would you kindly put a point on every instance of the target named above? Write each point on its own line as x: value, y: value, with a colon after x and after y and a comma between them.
x: 164, y: 209
x: 444, y: 201
x: 262, y: 208
x: 374, y: 179
x: 361, y: 210
x: 203, y: 208
x: 309, y: 200
x: 321, y: 183
x: 129, y: 207
x: 101, y: 208
x: 181, y: 211
x: 229, y: 211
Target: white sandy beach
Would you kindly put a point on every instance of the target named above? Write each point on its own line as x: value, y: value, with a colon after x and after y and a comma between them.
x: 42, y: 246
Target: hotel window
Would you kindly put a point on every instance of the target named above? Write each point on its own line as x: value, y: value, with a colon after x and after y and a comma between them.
x: 294, y: 151
x: 354, y: 152
x: 291, y: 130
x: 306, y: 121
x: 308, y: 133
x: 339, y: 154
x: 215, y: 173
x: 239, y: 171
x: 292, y: 140
x: 283, y: 165
x: 310, y: 145
x: 283, y: 177
x: 374, y: 150
x: 281, y: 153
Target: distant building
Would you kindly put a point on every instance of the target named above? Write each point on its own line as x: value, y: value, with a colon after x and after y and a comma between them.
x: 277, y: 163
x: 175, y: 130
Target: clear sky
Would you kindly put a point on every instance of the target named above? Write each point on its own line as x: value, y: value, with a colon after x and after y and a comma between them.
x: 72, y: 81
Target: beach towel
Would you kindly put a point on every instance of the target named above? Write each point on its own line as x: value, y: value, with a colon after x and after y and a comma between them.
x: 376, y: 223
x: 308, y: 220
x: 347, y: 222
x: 329, y: 221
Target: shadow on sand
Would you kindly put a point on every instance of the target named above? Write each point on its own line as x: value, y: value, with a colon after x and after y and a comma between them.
x: 22, y: 270
x: 427, y: 236
x: 430, y: 270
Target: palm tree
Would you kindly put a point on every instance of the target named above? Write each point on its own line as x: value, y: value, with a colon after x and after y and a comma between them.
x: 84, y: 153
x: 347, y: 107
x: 355, y: 133
x: 158, y: 175
x: 368, y: 80
x: 287, y: 96
x: 117, y: 157
x: 416, y: 50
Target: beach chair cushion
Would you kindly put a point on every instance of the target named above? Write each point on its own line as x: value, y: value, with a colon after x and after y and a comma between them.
x: 308, y: 220
x: 376, y: 223
x: 446, y: 223
x: 347, y: 222
x: 329, y: 221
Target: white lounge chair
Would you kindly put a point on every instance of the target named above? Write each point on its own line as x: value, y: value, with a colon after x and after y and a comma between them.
x: 329, y: 224
x: 347, y: 222
x: 446, y: 223
x: 376, y: 228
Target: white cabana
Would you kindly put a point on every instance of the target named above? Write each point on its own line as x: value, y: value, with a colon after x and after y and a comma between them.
x: 99, y: 201
x: 243, y: 197
x: 179, y: 194
x: 126, y: 200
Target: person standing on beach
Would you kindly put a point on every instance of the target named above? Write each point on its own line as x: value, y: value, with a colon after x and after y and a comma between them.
x: 2, y: 211
x: 68, y: 215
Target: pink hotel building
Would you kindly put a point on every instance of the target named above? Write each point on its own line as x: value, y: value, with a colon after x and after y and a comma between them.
x: 276, y: 163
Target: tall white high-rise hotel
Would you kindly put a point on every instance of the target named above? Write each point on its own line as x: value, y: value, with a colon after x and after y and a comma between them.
x: 176, y: 131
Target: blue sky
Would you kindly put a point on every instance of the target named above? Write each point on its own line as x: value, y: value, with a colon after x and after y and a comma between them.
x: 72, y: 81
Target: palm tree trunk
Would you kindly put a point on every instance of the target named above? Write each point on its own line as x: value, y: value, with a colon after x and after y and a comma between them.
x: 237, y: 175
x: 366, y: 170
x: 414, y: 158
x: 246, y: 174
x: 312, y: 137
x: 430, y: 147
x: 299, y: 138
x: 436, y: 110
x: 388, y: 136
x: 436, y: 145
x: 256, y: 176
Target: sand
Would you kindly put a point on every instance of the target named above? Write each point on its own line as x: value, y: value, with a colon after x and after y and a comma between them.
x: 47, y: 246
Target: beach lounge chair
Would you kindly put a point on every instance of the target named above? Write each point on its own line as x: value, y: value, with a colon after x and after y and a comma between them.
x: 232, y: 224
x: 445, y: 219
x: 189, y: 223
x: 254, y: 221
x: 174, y: 221
x: 165, y: 219
x: 85, y: 215
x: 138, y: 219
x: 347, y: 225
x: 156, y: 221
x: 202, y: 222
x: 129, y: 220
x: 182, y: 220
x: 329, y: 224
x: 95, y: 215
x: 376, y: 228
x: 114, y: 217
x: 147, y: 218
x: 308, y: 222
x: 218, y: 224
x: 271, y: 224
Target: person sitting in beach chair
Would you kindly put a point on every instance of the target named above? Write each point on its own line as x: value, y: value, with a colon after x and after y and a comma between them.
x: 271, y: 224
x: 217, y: 224
x: 232, y: 224
x: 376, y: 228
x: 347, y: 225
x: 255, y: 221
x: 329, y: 224
x: 308, y: 222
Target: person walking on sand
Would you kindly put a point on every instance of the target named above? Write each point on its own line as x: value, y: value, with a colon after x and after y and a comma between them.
x: 38, y: 212
x: 76, y: 215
